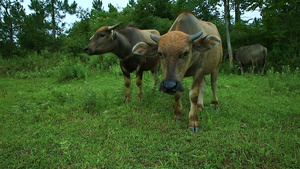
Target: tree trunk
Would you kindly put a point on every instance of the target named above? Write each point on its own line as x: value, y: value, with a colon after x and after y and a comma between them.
x: 227, y: 23
x: 53, y: 25
x: 237, y: 12
x: 11, y: 40
x: 10, y: 27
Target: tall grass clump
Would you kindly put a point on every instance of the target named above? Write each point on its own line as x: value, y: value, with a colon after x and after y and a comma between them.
x: 69, y: 70
x: 285, y: 81
x: 34, y: 65
x: 91, y: 100
x: 226, y: 69
x: 108, y: 60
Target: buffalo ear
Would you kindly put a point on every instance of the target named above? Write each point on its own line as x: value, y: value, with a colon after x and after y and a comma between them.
x: 206, y: 43
x: 143, y: 48
x: 114, y: 34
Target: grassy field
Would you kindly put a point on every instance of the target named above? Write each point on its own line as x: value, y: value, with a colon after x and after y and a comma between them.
x: 85, y: 124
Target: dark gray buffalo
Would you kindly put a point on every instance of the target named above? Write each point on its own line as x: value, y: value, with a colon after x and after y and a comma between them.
x: 191, y: 48
x: 120, y: 42
x: 251, y: 55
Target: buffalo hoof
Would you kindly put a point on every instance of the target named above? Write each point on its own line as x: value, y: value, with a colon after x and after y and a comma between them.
x: 194, y: 130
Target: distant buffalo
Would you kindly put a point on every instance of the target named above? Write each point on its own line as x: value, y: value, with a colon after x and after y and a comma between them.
x: 252, y: 54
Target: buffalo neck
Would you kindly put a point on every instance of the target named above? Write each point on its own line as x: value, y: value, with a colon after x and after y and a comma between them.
x: 122, y: 49
x: 126, y: 39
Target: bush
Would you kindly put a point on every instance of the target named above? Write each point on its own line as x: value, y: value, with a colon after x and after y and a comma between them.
x: 108, y: 60
x: 91, y: 101
x: 285, y: 81
x: 94, y: 62
x: 69, y: 70
x: 32, y: 66
x: 226, y: 69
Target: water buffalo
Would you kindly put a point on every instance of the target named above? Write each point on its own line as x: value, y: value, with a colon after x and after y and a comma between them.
x: 191, y: 48
x: 120, y: 42
x: 252, y: 54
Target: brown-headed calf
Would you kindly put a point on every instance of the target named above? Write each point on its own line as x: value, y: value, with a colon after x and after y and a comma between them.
x: 190, y: 48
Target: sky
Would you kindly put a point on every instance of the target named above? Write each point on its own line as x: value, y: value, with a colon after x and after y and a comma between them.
x: 70, y: 19
x: 88, y: 3
x: 120, y: 4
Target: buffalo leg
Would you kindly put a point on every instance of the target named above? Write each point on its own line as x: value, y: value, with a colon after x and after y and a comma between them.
x: 194, y: 97
x: 254, y: 65
x: 242, y: 69
x: 201, y: 95
x: 214, y: 84
x: 139, y: 82
x: 127, y: 85
x: 178, y: 113
x: 154, y: 74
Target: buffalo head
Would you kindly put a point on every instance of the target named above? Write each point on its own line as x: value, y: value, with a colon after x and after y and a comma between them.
x: 102, y: 41
x: 176, y: 49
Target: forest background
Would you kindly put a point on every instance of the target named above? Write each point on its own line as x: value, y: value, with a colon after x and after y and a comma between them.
x: 23, y: 34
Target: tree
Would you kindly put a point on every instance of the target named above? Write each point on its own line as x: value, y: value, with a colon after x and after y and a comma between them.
x: 34, y: 34
x: 12, y: 15
x: 97, y: 5
x: 147, y: 14
x: 112, y: 8
x: 237, y: 11
x: 57, y: 10
x: 281, y: 22
x: 227, y: 24
x: 206, y: 10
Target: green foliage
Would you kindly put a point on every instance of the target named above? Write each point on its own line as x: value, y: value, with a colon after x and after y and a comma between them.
x: 69, y: 70
x: 283, y: 39
x: 12, y: 15
x: 286, y: 81
x: 108, y: 60
x: 34, y: 35
x: 98, y: 5
x: 152, y: 14
x: 34, y: 64
x: 22, y: 34
x: 78, y: 38
x: 102, y: 18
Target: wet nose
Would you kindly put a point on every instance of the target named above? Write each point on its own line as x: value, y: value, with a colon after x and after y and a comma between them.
x: 168, y: 86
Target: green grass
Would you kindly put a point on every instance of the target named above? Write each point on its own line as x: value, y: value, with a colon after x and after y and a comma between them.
x: 84, y: 124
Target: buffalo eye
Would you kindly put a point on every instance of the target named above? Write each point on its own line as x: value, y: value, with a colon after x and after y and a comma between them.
x: 160, y: 54
x: 101, y: 35
x: 185, y: 54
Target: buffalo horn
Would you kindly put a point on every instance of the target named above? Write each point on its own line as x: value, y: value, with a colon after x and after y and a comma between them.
x: 114, y: 27
x: 154, y: 38
x: 195, y: 36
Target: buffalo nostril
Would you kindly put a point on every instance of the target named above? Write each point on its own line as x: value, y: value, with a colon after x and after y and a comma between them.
x: 86, y: 49
x: 169, y: 86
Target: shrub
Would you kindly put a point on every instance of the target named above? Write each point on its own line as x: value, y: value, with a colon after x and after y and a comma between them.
x: 94, y: 62
x: 115, y: 70
x: 108, y: 60
x: 91, y: 102
x: 285, y: 81
x: 69, y: 70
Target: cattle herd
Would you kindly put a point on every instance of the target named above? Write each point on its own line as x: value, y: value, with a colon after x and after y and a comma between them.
x: 191, y: 48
